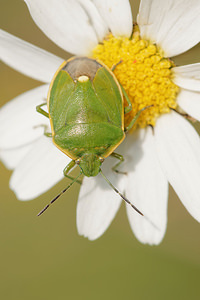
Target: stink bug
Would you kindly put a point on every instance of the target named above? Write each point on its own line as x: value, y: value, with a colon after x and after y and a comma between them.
x: 86, y: 113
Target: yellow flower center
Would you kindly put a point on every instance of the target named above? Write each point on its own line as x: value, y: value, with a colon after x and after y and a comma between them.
x: 143, y: 72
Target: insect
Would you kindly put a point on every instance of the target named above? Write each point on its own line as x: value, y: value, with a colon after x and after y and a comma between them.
x: 86, y: 113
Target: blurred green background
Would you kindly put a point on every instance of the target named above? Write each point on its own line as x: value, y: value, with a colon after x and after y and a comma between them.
x: 44, y: 258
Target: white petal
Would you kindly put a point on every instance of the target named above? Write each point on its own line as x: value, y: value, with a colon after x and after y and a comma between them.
x: 190, y: 103
x: 188, y: 77
x: 147, y: 187
x: 178, y: 148
x: 27, y: 58
x: 19, y: 120
x: 67, y: 23
x: 173, y: 25
x: 39, y: 170
x: 98, y: 203
x: 99, y: 26
x: 117, y: 14
x: 12, y: 157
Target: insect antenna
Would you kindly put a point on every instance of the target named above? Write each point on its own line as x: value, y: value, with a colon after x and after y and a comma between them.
x: 118, y: 192
x: 58, y: 196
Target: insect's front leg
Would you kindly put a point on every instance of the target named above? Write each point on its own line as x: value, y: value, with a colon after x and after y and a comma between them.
x: 121, y: 160
x: 68, y: 168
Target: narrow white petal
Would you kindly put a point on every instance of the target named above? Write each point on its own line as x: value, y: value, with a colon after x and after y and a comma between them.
x: 190, y: 103
x: 99, y: 26
x: 117, y: 14
x: 147, y: 187
x: 98, y: 203
x: 188, y: 77
x: 39, y: 170
x: 12, y: 157
x: 67, y: 23
x: 27, y: 58
x: 19, y: 121
x: 178, y: 148
x: 172, y: 25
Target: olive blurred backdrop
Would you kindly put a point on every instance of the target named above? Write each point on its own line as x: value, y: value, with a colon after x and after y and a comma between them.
x: 44, y: 258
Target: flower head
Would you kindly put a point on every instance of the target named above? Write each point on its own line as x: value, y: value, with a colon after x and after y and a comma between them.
x: 170, y: 153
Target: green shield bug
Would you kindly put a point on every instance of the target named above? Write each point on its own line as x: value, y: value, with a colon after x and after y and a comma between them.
x: 86, y: 113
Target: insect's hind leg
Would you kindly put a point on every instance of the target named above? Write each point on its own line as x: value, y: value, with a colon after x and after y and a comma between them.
x: 42, y: 111
x: 121, y: 160
x: 68, y: 168
x: 128, y: 108
x: 135, y: 118
x: 46, y: 128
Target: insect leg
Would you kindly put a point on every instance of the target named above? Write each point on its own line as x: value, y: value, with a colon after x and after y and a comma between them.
x: 121, y: 159
x: 188, y: 117
x: 46, y: 133
x: 42, y: 111
x: 135, y: 118
x: 115, y: 65
x: 129, y: 107
x: 68, y: 168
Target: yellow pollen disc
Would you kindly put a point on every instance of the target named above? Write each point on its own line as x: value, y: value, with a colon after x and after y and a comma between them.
x: 143, y: 72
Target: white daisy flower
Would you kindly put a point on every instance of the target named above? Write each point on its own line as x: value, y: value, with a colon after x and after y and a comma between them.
x: 169, y: 154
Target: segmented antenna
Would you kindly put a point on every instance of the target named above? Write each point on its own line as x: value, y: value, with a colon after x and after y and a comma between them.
x: 118, y: 192
x: 127, y: 201
x: 62, y: 192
